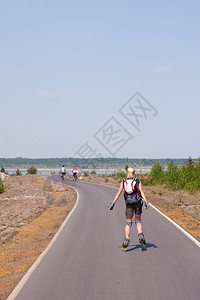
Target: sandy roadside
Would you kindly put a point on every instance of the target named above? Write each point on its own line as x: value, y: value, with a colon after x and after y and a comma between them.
x: 31, y: 212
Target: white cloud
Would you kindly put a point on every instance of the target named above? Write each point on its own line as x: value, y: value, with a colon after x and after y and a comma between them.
x: 162, y: 69
x: 53, y: 95
x: 50, y: 95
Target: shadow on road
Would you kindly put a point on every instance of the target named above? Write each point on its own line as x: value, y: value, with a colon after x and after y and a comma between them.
x: 138, y: 246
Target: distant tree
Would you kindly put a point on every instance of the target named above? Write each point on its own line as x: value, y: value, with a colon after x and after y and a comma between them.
x: 172, y: 176
x: 93, y: 172
x: 18, y: 173
x: 32, y: 170
x: 85, y: 173
x: 157, y: 173
x: 2, y: 169
x: 126, y: 168
x: 2, y: 188
x: 190, y: 162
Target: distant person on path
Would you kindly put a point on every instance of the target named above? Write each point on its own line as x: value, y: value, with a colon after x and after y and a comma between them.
x: 134, y: 196
x: 74, y: 172
x: 63, y: 172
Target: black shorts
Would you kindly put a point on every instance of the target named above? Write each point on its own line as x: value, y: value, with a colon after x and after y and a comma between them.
x: 132, y: 209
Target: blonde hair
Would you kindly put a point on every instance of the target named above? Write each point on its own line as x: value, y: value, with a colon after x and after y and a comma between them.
x: 130, y: 172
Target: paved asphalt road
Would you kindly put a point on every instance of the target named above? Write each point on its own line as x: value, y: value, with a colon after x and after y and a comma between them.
x: 86, y: 262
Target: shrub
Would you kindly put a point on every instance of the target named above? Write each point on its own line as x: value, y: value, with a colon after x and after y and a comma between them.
x: 186, y: 177
x: 190, y: 176
x: 157, y: 173
x: 86, y: 173
x: 119, y: 175
x: 2, y: 169
x: 93, y: 172
x: 2, y: 188
x: 126, y: 168
x: 145, y: 179
x: 32, y: 170
x: 18, y: 173
x: 172, y: 176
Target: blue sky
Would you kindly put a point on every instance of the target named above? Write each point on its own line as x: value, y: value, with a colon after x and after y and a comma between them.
x: 67, y: 67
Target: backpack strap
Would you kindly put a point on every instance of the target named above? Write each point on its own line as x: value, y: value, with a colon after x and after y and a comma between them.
x: 137, y: 182
x: 124, y: 180
x: 133, y: 188
x: 137, y: 186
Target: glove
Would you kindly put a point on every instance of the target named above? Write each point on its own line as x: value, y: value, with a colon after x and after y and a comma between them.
x: 146, y: 204
x: 111, y: 206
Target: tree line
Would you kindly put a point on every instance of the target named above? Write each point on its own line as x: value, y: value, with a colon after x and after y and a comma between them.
x: 90, y: 163
x: 185, y: 177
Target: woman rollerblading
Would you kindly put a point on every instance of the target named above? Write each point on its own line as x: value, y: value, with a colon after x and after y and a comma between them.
x: 134, y: 196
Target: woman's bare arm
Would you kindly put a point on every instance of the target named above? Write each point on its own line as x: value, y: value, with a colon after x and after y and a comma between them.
x: 118, y: 193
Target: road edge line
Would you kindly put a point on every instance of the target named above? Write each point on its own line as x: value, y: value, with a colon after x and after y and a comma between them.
x: 30, y: 271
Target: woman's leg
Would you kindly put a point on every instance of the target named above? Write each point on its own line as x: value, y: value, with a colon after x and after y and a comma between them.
x: 138, y: 223
x: 128, y: 228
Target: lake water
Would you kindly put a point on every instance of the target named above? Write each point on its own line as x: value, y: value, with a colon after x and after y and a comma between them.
x: 48, y: 172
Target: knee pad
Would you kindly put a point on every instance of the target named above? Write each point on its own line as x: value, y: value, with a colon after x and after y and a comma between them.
x: 129, y: 224
x: 139, y: 221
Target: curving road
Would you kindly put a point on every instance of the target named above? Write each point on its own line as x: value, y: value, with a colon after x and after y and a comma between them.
x: 86, y: 261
